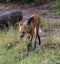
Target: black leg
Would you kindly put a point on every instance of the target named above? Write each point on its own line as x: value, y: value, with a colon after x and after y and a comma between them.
x: 35, y: 45
x: 39, y: 39
x: 29, y: 47
x: 30, y: 44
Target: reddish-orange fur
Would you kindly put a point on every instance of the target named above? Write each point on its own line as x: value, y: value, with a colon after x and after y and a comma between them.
x: 35, y: 24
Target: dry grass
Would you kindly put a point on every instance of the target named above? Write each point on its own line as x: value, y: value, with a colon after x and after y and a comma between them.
x: 13, y: 50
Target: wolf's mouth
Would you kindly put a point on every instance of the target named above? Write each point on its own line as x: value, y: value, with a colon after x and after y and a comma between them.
x: 22, y: 34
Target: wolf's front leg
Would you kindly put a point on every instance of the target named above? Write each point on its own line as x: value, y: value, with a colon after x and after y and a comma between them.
x: 30, y: 42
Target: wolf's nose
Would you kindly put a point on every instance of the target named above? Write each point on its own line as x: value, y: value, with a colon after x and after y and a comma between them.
x: 21, y: 36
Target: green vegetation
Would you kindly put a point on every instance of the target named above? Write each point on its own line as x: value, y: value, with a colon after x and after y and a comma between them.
x: 2, y: 1
x: 48, y: 25
x: 23, y: 1
x: 52, y: 42
x: 56, y: 5
x: 11, y: 47
x: 13, y: 50
x: 56, y: 12
x: 46, y: 57
x: 42, y: 13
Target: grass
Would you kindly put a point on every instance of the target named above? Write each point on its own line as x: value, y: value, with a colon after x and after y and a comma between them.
x: 13, y: 49
x: 10, y: 47
x: 56, y: 12
x: 46, y: 25
x: 46, y: 57
x: 51, y: 42
x: 56, y: 5
x: 42, y: 13
x: 56, y: 8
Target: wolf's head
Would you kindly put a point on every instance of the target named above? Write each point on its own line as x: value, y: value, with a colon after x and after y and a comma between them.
x: 23, y: 29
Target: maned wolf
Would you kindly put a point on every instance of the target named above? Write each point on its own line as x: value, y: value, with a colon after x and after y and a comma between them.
x: 28, y: 27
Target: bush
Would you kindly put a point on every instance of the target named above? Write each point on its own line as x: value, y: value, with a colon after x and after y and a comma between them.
x: 22, y: 1
x: 2, y: 1
x: 25, y: 1
x: 56, y: 5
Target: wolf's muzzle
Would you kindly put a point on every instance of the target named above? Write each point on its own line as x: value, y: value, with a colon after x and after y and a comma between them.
x: 22, y: 34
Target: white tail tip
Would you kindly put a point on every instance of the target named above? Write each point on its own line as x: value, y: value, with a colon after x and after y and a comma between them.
x: 40, y: 30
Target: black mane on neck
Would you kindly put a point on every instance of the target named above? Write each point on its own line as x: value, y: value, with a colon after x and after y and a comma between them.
x: 27, y: 23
